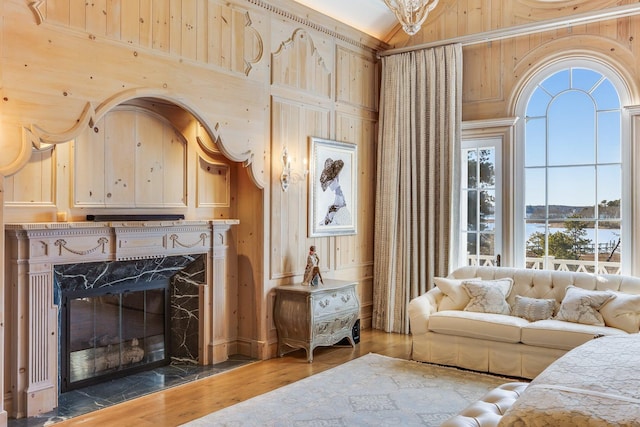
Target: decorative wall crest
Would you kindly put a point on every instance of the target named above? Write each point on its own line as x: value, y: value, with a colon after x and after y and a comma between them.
x: 295, y: 55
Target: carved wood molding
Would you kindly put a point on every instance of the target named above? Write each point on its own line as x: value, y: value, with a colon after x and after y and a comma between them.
x: 209, y: 140
x: 40, y: 139
x: 245, y: 157
x: 21, y: 159
x: 200, y: 242
x: 283, y: 58
x: 78, y: 242
x: 259, y: 46
x: 308, y: 23
x: 37, y: 11
x: 558, y: 4
x: 251, y: 53
x: 62, y: 244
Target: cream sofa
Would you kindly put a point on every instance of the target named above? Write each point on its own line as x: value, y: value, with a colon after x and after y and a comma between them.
x: 507, y: 344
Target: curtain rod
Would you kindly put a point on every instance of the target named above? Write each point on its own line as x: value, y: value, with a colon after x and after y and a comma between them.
x: 525, y: 29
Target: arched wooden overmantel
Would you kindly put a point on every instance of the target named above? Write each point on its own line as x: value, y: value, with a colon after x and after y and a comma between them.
x: 39, y: 138
x: 217, y: 335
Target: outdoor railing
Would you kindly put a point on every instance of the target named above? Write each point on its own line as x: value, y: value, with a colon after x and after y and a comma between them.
x: 538, y: 263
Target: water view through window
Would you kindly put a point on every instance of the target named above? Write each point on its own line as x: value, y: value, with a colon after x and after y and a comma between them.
x: 573, y: 173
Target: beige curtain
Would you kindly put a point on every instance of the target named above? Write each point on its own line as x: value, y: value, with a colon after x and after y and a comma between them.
x: 418, y: 149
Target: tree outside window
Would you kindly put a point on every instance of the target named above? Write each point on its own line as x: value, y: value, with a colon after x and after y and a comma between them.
x: 573, y: 158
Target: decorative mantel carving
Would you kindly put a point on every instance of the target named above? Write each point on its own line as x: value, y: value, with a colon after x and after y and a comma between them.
x: 32, y: 316
x: 62, y: 244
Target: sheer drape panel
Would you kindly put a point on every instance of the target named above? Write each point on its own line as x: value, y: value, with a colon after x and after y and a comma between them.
x: 420, y: 115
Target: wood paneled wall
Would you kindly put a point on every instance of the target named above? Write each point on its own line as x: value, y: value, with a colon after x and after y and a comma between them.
x: 238, y: 81
x: 328, y: 89
x: 494, y: 71
x: 151, y: 106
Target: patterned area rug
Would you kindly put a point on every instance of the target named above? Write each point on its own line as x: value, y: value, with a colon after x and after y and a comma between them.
x: 372, y: 390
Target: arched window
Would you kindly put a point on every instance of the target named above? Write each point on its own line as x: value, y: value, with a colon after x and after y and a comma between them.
x: 572, y: 162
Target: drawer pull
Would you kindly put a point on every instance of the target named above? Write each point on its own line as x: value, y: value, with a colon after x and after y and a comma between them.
x: 346, y: 298
x: 324, y: 303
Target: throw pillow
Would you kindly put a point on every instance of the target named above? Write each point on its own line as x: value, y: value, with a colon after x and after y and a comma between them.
x: 533, y: 309
x: 455, y: 297
x: 622, y: 312
x: 581, y: 306
x: 488, y: 296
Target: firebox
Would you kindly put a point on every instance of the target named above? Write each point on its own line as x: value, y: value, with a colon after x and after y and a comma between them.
x: 113, y: 331
x: 121, y: 317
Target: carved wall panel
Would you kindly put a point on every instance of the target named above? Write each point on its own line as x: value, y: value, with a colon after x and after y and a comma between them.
x: 485, y: 73
x: 34, y: 184
x: 298, y: 64
x: 354, y: 251
x: 356, y: 75
x: 208, y: 32
x: 214, y: 184
x: 292, y: 124
x: 130, y: 158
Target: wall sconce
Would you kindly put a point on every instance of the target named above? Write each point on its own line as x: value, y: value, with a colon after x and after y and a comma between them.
x: 288, y: 175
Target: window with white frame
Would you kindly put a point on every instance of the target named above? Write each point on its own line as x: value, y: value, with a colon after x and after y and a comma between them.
x: 480, y: 201
x: 572, y: 164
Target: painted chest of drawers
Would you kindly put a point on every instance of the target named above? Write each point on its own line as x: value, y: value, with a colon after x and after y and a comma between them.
x: 311, y: 316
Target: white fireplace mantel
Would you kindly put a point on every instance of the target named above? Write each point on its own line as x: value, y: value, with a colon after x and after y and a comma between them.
x: 72, y: 242
x: 32, y: 315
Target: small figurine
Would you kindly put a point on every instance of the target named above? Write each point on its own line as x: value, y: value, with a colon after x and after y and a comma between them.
x: 312, y: 270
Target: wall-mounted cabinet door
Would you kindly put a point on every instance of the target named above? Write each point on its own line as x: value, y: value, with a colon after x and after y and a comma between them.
x: 131, y: 158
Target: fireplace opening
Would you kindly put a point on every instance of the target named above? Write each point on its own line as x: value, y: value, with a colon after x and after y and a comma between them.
x: 117, y: 318
x: 113, y: 331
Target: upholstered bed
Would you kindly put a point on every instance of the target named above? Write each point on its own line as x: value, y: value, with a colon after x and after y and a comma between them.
x: 596, y: 384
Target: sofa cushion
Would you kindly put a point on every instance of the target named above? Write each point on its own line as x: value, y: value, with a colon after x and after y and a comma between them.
x: 455, y: 297
x: 533, y: 309
x: 488, y: 296
x: 622, y: 312
x: 562, y: 335
x: 581, y: 306
x: 495, y: 327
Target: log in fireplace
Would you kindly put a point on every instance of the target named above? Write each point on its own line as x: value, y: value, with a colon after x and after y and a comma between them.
x: 109, y: 333
x: 118, y: 318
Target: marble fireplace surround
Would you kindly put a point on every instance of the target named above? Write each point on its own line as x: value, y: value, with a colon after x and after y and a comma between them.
x: 31, y: 351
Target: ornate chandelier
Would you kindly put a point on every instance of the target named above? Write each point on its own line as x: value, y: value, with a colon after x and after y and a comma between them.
x: 411, y: 13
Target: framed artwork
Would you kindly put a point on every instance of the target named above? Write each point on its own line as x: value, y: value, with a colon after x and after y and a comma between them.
x: 333, y: 187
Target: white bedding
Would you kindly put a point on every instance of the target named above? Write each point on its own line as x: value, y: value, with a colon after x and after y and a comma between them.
x: 595, y: 384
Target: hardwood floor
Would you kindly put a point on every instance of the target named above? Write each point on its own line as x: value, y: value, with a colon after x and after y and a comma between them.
x: 184, y: 403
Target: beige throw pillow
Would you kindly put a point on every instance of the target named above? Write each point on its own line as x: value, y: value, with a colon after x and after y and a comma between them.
x: 455, y: 297
x: 489, y: 296
x: 533, y: 309
x: 622, y: 312
x: 581, y: 306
